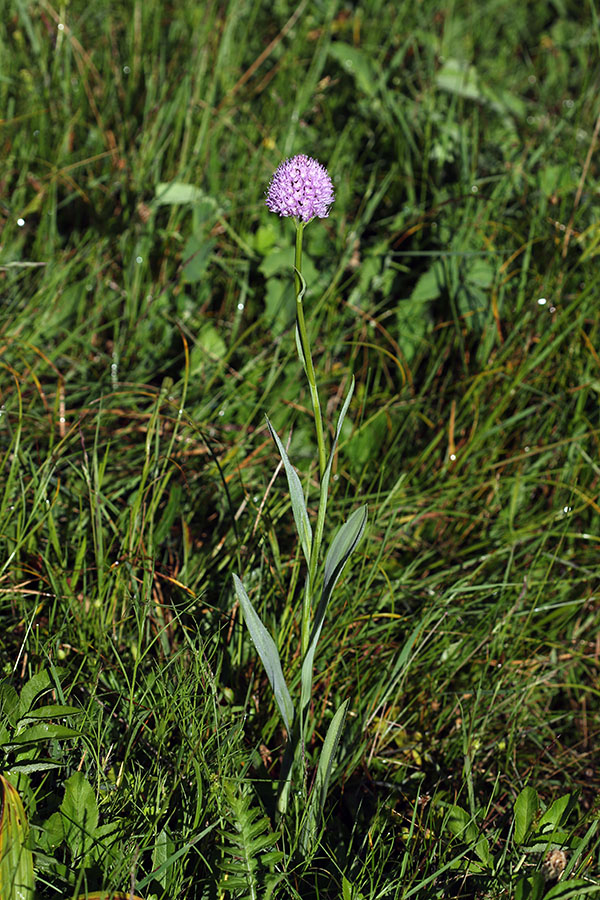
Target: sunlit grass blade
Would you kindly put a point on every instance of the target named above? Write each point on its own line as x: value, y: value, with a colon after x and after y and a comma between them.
x: 16, y: 859
x: 338, y: 430
x: 327, y: 472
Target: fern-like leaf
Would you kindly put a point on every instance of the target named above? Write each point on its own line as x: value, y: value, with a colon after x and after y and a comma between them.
x: 248, y: 854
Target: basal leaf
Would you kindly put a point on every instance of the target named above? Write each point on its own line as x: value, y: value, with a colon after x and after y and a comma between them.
x: 38, y: 765
x: 265, y: 646
x: 163, y: 848
x: 52, y: 711
x: 430, y: 285
x: 482, y: 849
x: 30, y: 691
x: 457, y: 77
x: 357, y: 63
x: 318, y: 796
x: 350, y: 891
x: 43, y: 732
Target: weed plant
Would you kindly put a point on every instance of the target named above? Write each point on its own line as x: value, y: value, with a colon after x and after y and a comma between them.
x: 146, y: 327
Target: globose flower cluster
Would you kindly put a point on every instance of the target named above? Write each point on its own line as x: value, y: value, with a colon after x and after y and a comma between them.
x: 300, y: 187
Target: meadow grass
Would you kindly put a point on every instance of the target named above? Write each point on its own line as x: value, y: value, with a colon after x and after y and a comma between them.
x: 147, y: 327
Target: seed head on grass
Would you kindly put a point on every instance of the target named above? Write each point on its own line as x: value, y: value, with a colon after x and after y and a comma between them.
x: 301, y: 187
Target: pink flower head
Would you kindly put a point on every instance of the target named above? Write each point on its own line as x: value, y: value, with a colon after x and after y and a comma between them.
x: 301, y: 187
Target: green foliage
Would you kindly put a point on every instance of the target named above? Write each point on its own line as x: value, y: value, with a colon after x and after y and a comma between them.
x: 318, y: 797
x: 267, y: 650
x: 27, y: 730
x: 16, y: 860
x: 343, y: 545
x: 545, y: 840
x: 248, y: 861
x: 302, y: 522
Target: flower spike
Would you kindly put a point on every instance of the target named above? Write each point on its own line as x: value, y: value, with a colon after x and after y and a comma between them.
x: 301, y: 187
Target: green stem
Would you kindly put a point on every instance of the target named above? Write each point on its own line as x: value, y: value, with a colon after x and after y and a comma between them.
x: 314, y: 396
x: 304, y: 343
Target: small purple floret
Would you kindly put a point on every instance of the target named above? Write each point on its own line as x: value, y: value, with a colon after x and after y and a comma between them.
x: 301, y: 187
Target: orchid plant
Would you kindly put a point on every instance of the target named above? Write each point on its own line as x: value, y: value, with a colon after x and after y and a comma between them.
x: 301, y: 189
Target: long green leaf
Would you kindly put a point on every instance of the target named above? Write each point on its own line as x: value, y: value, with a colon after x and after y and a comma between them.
x: 50, y: 712
x: 297, y: 497
x: 318, y: 796
x: 43, y: 732
x: 265, y: 646
x: 343, y: 544
x: 557, y: 814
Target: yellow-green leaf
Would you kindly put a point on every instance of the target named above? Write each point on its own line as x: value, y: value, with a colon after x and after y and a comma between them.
x: 109, y: 895
x: 16, y: 859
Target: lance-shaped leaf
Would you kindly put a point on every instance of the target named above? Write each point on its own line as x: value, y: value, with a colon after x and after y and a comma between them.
x: 16, y: 859
x: 265, y: 646
x: 343, y: 544
x: 43, y: 732
x: 525, y: 810
x: 53, y: 710
x: 318, y: 796
x: 297, y: 497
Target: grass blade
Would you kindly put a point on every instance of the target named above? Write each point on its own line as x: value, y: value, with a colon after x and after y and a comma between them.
x: 16, y: 859
x: 340, y: 422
